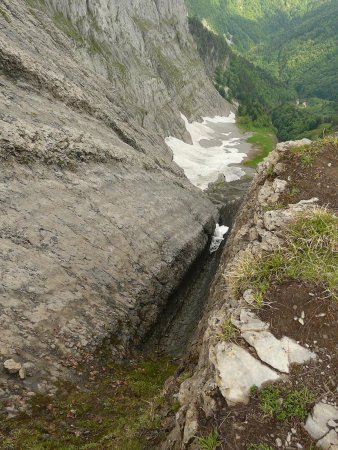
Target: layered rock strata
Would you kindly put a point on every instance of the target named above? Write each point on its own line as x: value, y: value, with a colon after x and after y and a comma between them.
x: 97, y: 224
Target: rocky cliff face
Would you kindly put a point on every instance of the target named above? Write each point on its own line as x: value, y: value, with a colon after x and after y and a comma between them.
x: 260, y: 334
x: 98, y: 225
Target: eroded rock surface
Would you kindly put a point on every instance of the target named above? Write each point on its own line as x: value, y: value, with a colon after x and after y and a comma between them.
x: 98, y: 225
x: 236, y: 349
x: 322, y: 425
x: 237, y: 371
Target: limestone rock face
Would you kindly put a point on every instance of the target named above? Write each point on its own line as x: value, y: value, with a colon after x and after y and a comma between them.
x: 237, y: 371
x: 317, y: 422
x: 97, y: 224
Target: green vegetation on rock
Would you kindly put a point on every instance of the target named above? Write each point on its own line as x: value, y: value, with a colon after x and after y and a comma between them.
x: 309, y: 254
x: 260, y: 447
x: 115, y: 411
x: 210, y: 442
x: 285, y: 404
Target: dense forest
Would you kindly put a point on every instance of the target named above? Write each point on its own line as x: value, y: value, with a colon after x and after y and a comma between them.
x: 279, y: 60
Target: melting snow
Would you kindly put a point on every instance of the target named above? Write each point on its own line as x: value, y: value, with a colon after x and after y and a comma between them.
x: 218, y: 237
x: 211, y: 153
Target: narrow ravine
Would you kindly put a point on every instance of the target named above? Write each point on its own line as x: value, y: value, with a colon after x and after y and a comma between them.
x: 214, y: 163
x: 171, y: 334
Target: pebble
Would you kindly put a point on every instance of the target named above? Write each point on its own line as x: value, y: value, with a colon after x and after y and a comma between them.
x: 332, y: 423
x: 301, y: 321
x: 12, y: 366
x: 329, y: 164
x: 279, y: 442
x: 293, y: 431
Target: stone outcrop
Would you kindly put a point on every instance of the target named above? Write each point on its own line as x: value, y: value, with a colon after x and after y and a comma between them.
x: 254, y: 356
x: 98, y: 224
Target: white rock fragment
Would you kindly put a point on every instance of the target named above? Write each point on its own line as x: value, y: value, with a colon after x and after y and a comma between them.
x: 297, y: 353
x: 279, y: 185
x: 329, y: 441
x: 12, y: 366
x: 278, y: 353
x: 269, y: 349
x: 191, y: 426
x: 237, y: 371
x: 316, y: 423
x: 332, y: 423
x: 279, y: 442
x: 250, y: 322
x: 248, y: 296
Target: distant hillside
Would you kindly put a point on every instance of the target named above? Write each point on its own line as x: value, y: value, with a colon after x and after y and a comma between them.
x: 250, y: 21
x: 305, y: 54
x: 292, y: 47
x: 234, y: 76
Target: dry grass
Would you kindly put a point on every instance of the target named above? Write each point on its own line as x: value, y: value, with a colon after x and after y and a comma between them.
x: 309, y: 253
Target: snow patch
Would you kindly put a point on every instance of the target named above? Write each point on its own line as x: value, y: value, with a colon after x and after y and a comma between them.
x: 202, y: 164
x: 231, y: 118
x: 218, y: 237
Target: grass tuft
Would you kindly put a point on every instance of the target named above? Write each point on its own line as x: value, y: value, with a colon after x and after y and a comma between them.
x: 309, y: 152
x: 115, y: 412
x: 210, y: 442
x: 309, y: 254
x: 229, y: 330
x: 285, y: 405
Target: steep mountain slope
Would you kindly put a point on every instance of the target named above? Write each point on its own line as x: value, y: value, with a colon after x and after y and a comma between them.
x: 98, y: 224
x: 250, y: 21
x: 305, y: 54
x: 234, y: 76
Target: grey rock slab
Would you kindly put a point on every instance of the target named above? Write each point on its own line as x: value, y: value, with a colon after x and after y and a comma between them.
x: 297, y: 354
x: 329, y: 441
x: 12, y: 366
x: 284, y: 146
x: 248, y: 321
x: 278, y: 353
x: 276, y: 219
x: 237, y: 370
x: 98, y: 223
x: 269, y: 349
x: 191, y: 424
x: 317, y: 422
